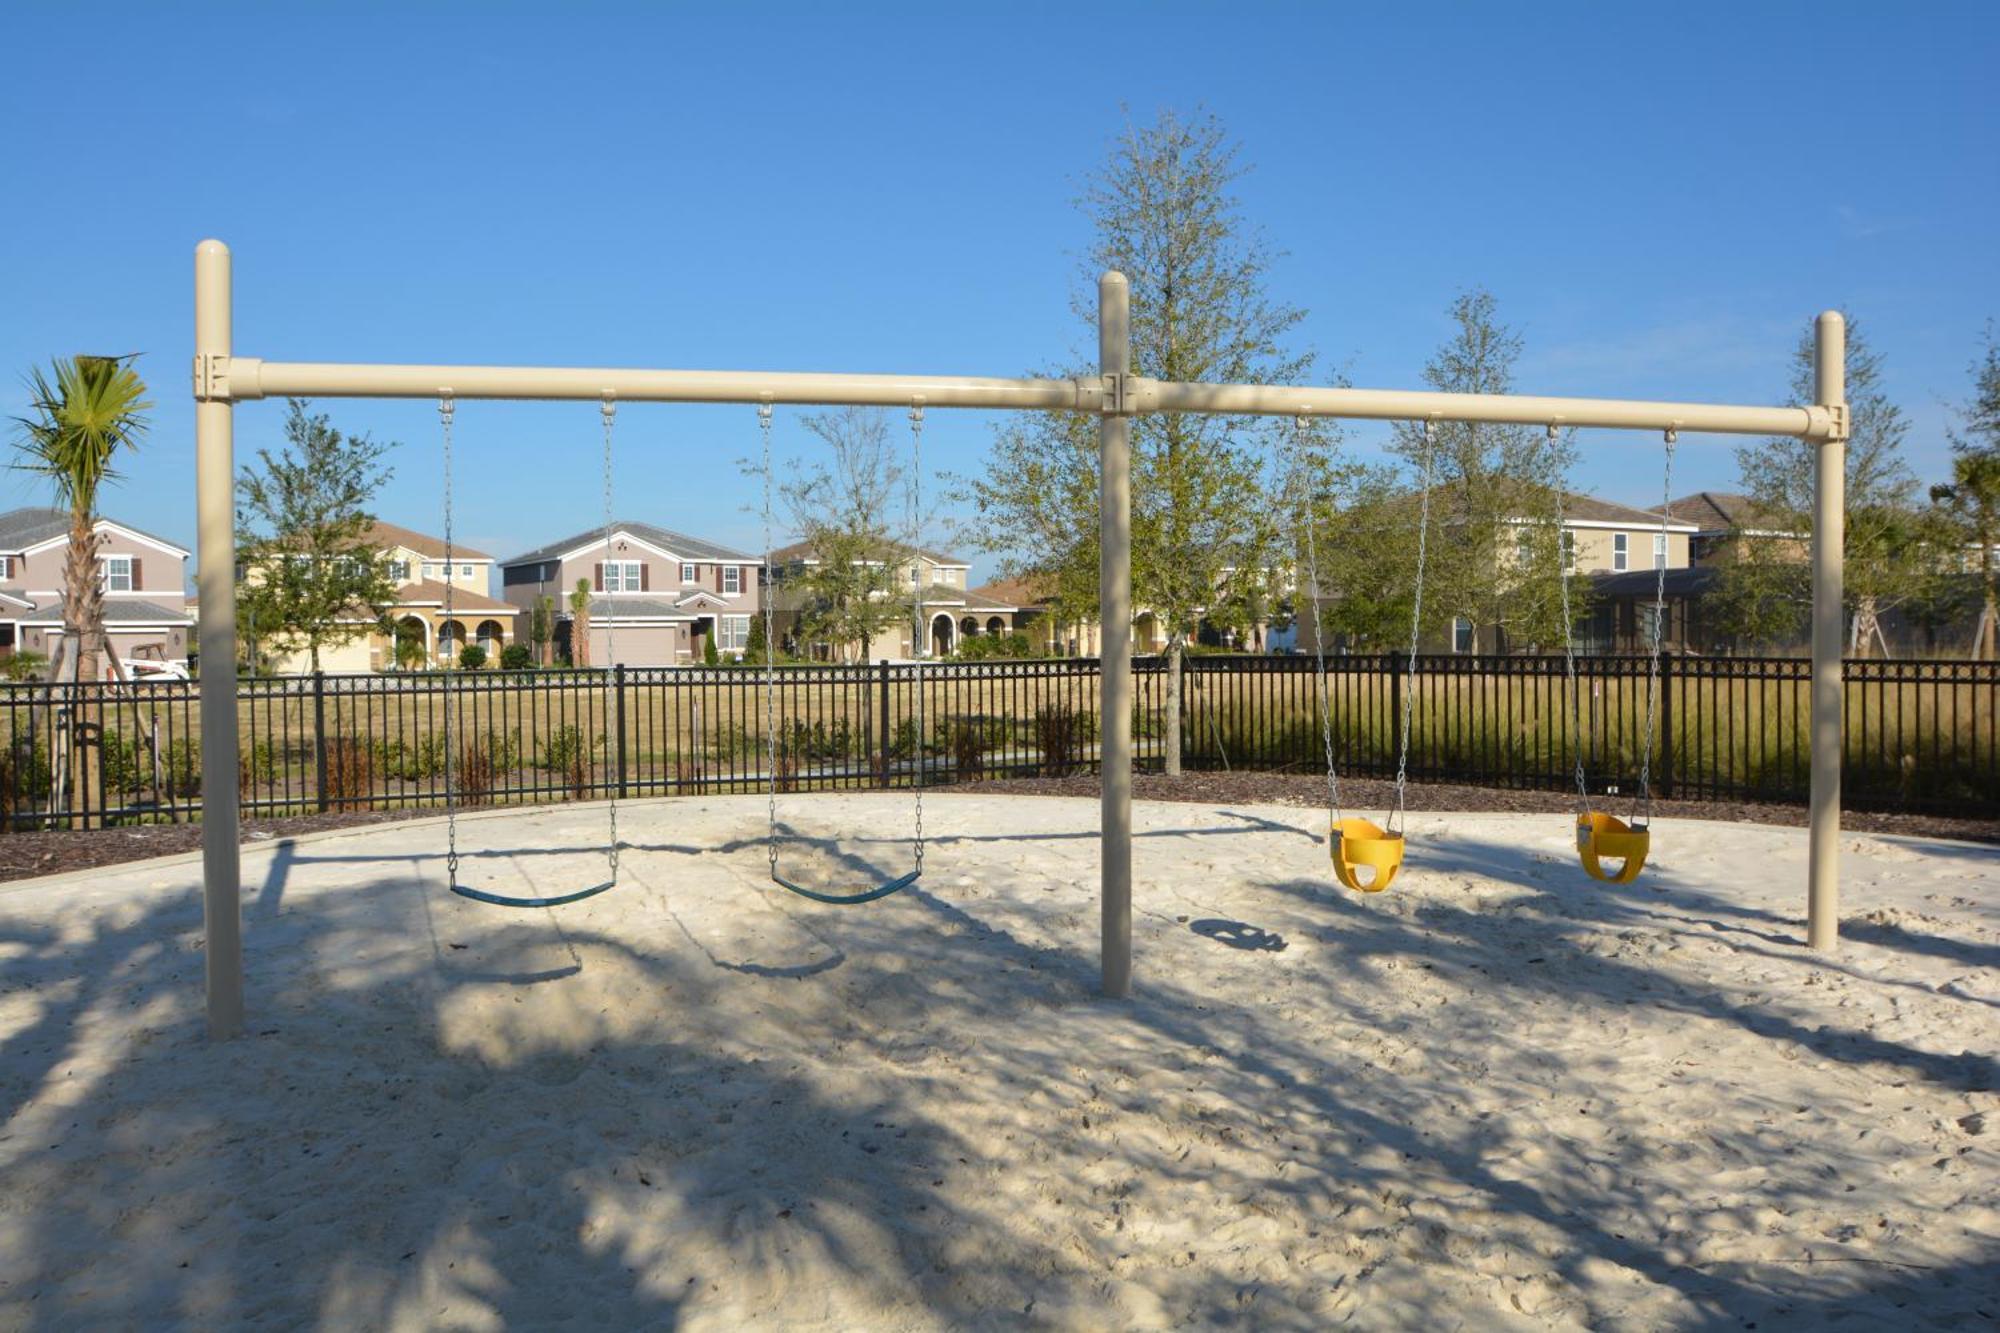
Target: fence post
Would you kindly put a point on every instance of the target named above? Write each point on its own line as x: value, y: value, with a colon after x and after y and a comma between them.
x: 319, y: 740
x: 882, y: 724
x: 1666, y: 777
x: 618, y: 712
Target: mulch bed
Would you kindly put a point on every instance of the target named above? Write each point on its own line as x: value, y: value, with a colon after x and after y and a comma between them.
x: 25, y: 854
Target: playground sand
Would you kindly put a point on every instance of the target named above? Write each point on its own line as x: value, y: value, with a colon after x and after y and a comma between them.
x: 1498, y: 1095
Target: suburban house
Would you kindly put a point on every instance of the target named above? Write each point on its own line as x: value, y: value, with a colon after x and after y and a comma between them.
x: 145, y: 606
x: 417, y: 617
x: 656, y: 597
x: 952, y: 611
x: 1725, y: 522
x: 1620, y: 549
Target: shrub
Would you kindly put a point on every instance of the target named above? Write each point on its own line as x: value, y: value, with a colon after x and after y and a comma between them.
x: 566, y: 748
x: 24, y: 666
x: 995, y: 647
x: 256, y: 765
x: 1060, y: 733
x: 516, y: 657
x: 969, y: 743
x: 473, y: 778
x: 471, y: 657
x: 709, y: 656
x: 412, y: 761
x: 350, y: 773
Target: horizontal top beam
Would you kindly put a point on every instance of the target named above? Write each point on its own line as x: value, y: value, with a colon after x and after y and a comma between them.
x: 239, y: 378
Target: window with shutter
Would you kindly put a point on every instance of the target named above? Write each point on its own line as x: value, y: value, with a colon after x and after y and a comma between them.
x: 138, y: 583
x: 645, y: 578
x: 597, y: 576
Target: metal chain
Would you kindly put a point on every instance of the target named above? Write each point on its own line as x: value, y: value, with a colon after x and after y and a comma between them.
x: 1659, y: 622
x: 770, y: 659
x: 1301, y: 472
x: 919, y: 631
x: 445, y: 407
x: 1416, y: 627
x: 609, y: 411
x: 1569, y: 643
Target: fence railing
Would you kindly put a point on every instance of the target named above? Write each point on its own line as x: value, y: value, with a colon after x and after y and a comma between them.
x: 1921, y: 736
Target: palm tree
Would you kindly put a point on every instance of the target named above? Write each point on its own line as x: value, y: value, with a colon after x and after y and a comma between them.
x: 93, y: 406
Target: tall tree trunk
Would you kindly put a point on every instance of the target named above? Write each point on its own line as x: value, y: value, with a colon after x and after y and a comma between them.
x: 1174, y: 649
x: 83, y: 630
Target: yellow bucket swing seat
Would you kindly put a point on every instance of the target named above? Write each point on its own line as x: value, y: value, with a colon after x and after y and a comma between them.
x: 1611, y: 849
x: 1365, y: 855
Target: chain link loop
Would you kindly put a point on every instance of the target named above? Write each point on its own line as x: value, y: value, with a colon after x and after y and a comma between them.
x: 1397, y: 817
x: 1645, y: 801
x: 445, y: 412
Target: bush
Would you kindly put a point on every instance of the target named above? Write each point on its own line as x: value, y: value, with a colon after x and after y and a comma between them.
x: 350, y: 773
x: 471, y: 657
x: 996, y: 648
x: 969, y: 743
x: 516, y: 657
x: 256, y: 766
x: 412, y: 761
x: 474, y: 776
x: 1060, y: 733
x: 24, y: 666
x: 566, y: 748
x: 709, y: 657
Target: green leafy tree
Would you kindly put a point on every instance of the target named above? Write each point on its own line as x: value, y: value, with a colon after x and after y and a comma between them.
x: 1892, y: 556
x: 1971, y: 499
x: 579, y: 624
x: 542, y: 627
x: 1492, y: 559
x: 847, y: 590
x: 1164, y: 212
x: 82, y: 412
x: 312, y: 579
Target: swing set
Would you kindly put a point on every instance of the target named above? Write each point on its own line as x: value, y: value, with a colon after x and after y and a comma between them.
x: 1114, y: 396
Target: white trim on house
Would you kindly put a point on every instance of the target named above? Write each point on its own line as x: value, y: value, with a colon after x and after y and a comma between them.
x: 62, y: 539
x: 1635, y: 525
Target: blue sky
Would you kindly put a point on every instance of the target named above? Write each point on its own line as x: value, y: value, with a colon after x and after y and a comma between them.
x: 1659, y: 199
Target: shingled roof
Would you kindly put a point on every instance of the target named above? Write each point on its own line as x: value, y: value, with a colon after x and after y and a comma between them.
x: 677, y: 543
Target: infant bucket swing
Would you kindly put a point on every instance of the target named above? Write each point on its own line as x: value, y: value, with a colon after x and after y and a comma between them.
x: 1365, y: 855
x: 1603, y: 837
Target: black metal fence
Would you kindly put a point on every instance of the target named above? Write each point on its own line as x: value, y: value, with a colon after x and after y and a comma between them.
x: 1921, y: 736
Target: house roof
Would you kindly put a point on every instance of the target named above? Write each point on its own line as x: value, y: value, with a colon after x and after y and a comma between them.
x: 430, y: 592
x: 30, y: 526
x: 1643, y: 584
x: 676, y: 543
x: 979, y: 599
x: 637, y: 608
x: 1015, y: 592
x: 1724, y: 511
x: 803, y: 551
x: 391, y: 534
x: 127, y: 611
x: 1590, y: 509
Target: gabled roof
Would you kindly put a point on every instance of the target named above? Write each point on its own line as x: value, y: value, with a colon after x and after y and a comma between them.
x: 604, y: 609
x: 1016, y: 592
x: 126, y: 611
x: 1590, y: 509
x: 665, y: 539
x: 430, y: 592
x: 384, y: 535
x: 31, y: 526
x: 803, y: 551
x: 1724, y: 511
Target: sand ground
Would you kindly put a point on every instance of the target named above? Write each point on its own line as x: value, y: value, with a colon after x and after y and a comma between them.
x: 1500, y: 1095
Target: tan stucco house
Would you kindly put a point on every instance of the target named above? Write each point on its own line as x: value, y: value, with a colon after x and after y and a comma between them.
x: 145, y: 589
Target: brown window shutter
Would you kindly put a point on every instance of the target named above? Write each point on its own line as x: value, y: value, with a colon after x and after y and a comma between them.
x: 137, y: 582
x: 597, y: 574
x: 646, y: 576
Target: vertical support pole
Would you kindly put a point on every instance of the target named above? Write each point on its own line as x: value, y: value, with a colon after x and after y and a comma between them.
x: 884, y: 766
x: 1663, y: 781
x: 1828, y: 613
x: 319, y: 739
x: 1114, y: 600
x: 215, y: 582
x: 618, y: 721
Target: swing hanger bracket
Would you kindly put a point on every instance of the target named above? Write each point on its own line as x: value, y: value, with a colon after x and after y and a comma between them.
x: 1118, y: 395
x: 222, y: 378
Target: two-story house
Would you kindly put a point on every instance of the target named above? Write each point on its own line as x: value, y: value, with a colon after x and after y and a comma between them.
x: 419, y: 633
x: 656, y: 596
x: 145, y: 607
x: 952, y: 612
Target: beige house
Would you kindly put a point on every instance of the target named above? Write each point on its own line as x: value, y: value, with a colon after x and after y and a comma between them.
x: 656, y: 597
x: 1725, y: 522
x: 1054, y: 634
x: 145, y: 588
x: 418, y: 567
